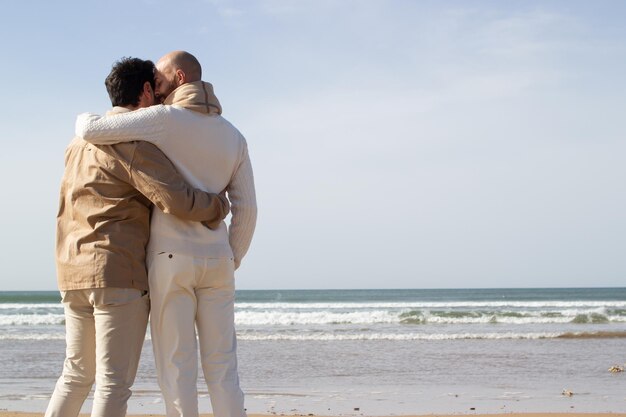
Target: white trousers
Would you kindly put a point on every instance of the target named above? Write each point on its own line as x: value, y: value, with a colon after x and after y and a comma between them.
x: 104, y: 331
x: 189, y: 293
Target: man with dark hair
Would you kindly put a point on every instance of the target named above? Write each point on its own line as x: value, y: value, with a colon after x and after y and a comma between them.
x: 192, y: 270
x: 127, y: 79
x: 102, y: 231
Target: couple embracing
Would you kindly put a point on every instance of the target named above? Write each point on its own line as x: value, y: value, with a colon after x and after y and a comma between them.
x: 141, y: 231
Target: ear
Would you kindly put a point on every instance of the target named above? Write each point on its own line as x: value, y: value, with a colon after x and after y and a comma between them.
x: 147, y: 89
x: 146, y: 98
x: 181, y: 78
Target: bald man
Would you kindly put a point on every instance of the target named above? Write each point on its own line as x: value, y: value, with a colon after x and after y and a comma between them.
x: 191, y: 268
x: 174, y: 70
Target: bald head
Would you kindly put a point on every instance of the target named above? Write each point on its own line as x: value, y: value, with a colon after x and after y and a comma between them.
x: 185, y: 62
x: 175, y: 69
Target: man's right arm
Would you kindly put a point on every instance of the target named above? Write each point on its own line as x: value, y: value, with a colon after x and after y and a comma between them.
x: 154, y: 175
x: 149, y: 124
x: 243, y: 205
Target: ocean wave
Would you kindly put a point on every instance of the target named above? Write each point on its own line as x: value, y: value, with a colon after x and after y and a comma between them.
x: 331, y: 336
x: 33, y: 336
x: 419, y: 317
x: 426, y: 337
x: 392, y: 337
x: 375, y: 317
x: 615, y: 307
x: 30, y: 306
x: 472, y: 305
x: 31, y: 319
x: 596, y: 316
x: 269, y: 318
x: 373, y: 336
x: 593, y: 335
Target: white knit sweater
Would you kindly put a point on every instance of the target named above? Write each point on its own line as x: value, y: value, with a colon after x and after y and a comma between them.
x: 210, y: 153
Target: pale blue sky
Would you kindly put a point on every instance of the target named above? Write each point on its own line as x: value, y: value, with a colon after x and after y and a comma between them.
x: 422, y: 144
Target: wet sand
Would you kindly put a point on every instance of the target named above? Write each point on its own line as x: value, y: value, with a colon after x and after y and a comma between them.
x: 19, y: 414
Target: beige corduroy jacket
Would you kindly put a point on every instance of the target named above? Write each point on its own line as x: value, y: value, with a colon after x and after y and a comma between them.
x: 103, y: 221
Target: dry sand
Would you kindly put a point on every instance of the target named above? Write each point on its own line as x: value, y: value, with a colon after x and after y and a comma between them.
x: 18, y: 414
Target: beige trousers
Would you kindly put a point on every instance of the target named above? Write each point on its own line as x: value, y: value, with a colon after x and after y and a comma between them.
x: 189, y: 293
x: 105, y: 329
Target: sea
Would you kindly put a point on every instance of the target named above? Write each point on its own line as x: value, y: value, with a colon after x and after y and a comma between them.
x: 373, y: 352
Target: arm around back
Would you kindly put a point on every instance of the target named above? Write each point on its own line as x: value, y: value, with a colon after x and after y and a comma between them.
x: 149, y: 124
x: 154, y: 175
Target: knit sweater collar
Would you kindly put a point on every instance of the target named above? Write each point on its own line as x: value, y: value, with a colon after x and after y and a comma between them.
x: 197, y: 96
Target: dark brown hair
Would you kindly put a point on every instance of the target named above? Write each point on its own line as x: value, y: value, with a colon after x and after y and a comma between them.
x: 126, y: 80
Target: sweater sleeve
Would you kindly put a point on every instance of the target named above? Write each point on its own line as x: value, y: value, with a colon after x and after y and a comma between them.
x: 242, y: 198
x: 148, y: 124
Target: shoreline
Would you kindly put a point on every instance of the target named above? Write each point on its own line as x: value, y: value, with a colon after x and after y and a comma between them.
x: 354, y: 354
x: 5, y: 413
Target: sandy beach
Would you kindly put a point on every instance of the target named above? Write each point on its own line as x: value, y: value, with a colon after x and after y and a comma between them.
x: 373, y: 353
x: 18, y: 414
